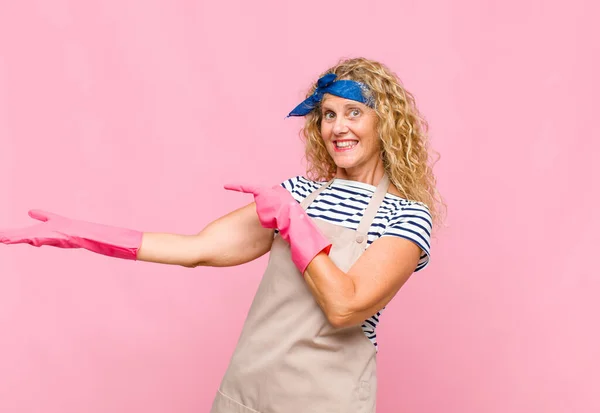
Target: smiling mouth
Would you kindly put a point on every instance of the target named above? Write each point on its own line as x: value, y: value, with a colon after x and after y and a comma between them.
x: 345, y: 145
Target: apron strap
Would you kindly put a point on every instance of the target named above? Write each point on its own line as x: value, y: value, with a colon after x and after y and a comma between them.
x: 373, y: 207
x: 311, y: 197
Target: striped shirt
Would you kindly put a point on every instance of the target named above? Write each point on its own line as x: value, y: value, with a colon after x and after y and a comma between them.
x: 344, y: 203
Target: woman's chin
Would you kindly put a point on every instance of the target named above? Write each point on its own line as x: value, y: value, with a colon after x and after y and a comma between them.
x: 345, y: 164
x: 345, y: 160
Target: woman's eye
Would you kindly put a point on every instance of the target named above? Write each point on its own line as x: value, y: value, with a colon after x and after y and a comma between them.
x: 329, y: 115
x: 355, y: 112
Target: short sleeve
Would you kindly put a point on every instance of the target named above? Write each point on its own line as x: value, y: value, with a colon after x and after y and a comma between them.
x: 300, y: 187
x: 413, y: 222
x: 290, y: 184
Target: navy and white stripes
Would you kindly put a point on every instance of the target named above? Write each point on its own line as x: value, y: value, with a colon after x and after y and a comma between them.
x: 344, y: 203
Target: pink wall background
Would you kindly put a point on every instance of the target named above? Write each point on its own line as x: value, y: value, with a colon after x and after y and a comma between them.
x: 135, y: 113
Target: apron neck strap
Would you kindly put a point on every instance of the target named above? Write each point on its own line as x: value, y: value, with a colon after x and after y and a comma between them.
x: 376, y: 200
x: 311, y: 197
x: 372, y: 208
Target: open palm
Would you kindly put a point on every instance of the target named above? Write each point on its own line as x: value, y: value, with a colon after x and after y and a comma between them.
x: 48, y: 232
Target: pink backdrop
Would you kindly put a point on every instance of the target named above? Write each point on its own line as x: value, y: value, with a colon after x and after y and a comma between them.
x: 135, y: 113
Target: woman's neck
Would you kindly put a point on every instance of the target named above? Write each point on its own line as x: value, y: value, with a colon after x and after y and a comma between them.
x: 370, y: 176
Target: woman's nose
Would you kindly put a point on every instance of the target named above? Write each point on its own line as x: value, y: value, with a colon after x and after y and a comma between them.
x: 340, y: 127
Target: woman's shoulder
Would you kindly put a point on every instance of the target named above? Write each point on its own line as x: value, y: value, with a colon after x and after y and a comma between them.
x: 407, y: 217
x: 400, y: 206
x: 300, y: 187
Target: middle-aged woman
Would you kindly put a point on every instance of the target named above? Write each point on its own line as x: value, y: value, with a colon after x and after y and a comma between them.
x: 341, y: 243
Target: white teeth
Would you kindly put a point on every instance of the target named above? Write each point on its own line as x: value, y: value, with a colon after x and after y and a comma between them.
x: 346, y: 144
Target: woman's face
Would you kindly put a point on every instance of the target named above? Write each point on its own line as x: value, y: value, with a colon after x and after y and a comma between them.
x: 349, y: 131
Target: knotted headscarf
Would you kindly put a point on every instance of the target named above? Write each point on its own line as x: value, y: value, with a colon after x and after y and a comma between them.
x: 347, y: 89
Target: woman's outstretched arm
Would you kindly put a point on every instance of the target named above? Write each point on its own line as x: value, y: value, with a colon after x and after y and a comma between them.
x: 233, y: 239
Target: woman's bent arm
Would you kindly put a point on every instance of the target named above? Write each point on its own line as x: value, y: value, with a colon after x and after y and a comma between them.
x: 233, y: 239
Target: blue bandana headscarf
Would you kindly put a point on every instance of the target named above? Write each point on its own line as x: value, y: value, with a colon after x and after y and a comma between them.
x: 347, y: 89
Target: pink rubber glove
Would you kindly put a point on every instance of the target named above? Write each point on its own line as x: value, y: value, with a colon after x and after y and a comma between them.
x: 277, y: 209
x: 63, y: 232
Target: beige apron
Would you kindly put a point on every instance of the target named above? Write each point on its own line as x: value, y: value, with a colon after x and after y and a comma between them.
x: 289, y: 359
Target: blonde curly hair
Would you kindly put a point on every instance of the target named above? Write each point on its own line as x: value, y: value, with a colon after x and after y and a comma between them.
x: 402, y: 133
